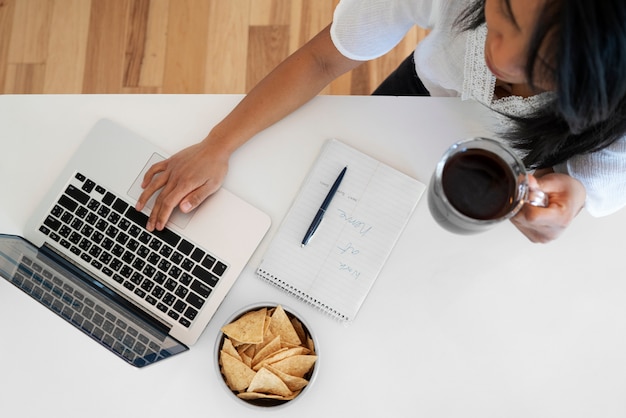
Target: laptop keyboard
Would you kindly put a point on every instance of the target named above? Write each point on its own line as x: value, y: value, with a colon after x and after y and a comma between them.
x: 165, y: 270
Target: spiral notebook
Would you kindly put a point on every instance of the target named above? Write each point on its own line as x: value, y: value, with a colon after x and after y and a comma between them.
x: 339, y: 266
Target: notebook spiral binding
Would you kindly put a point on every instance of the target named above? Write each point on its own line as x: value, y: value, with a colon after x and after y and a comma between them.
x: 270, y: 278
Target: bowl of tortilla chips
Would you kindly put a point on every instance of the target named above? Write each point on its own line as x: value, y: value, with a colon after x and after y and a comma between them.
x: 266, y: 355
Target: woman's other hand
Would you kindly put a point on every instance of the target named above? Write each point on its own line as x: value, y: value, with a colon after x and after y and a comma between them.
x: 566, y: 197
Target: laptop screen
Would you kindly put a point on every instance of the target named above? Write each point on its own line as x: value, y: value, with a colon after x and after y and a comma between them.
x: 85, y: 303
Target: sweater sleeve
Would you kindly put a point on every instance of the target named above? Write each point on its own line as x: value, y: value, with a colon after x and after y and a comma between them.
x: 366, y: 29
x: 603, y: 173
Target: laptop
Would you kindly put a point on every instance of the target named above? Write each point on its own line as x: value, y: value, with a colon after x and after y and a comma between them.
x: 86, y: 255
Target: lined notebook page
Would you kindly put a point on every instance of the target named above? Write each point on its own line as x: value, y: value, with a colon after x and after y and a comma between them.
x: 338, y: 267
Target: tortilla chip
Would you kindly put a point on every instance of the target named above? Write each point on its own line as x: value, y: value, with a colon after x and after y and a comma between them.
x: 280, y: 355
x: 294, y: 383
x: 247, y: 329
x: 269, y: 349
x: 310, y: 344
x: 298, y: 365
x: 238, y: 375
x: 267, y: 382
x: 299, y: 328
x: 281, y: 325
x: 229, y: 348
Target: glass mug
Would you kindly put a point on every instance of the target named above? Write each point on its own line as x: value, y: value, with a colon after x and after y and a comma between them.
x: 478, y: 183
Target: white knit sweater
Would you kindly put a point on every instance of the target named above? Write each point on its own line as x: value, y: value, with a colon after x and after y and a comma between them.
x: 451, y: 63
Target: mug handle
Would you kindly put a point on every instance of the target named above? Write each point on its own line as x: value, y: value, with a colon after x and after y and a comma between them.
x: 537, y: 197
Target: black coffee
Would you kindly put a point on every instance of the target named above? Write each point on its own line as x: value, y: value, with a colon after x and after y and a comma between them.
x: 479, y: 184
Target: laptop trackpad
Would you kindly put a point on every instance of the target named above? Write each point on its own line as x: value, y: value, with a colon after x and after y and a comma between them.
x: 178, y: 218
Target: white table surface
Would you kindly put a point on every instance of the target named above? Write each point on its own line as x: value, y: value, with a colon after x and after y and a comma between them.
x: 482, y: 326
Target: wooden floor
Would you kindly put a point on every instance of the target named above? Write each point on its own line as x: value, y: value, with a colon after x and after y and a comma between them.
x: 164, y: 46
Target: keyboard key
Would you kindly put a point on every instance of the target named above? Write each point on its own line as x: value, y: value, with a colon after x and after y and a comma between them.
x: 68, y: 203
x: 158, y: 292
x: 165, y: 251
x: 66, y: 218
x: 179, y: 306
x: 195, y: 300
x: 219, y: 268
x: 77, y: 194
x: 155, y: 244
x: 187, y: 264
x: 124, y: 224
x: 185, y: 247
x: 137, y: 217
x: 164, y: 265
x: 134, y: 231
x: 191, y: 313
x: 52, y: 223
x: 112, y: 231
x: 88, y: 186
x: 181, y: 291
x: 205, y: 276
x: 108, y: 198
x: 93, y: 205
x: 177, y: 257
x: 145, y: 237
x: 169, y: 299
x: 201, y: 288
x: 104, y: 211
x: 168, y: 236
x: 170, y: 284
x: 119, y: 205
x: 197, y: 255
x: 208, y: 261
x: 186, y: 279
x: 113, y: 217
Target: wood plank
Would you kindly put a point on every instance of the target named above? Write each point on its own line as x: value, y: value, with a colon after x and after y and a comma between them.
x: 104, y: 63
x: 25, y: 78
x: 186, y: 46
x: 7, y: 10
x: 227, y: 47
x: 268, y: 46
x: 270, y: 12
x: 30, y: 31
x: 153, y: 66
x: 67, y: 47
x: 136, y: 33
x: 307, y: 19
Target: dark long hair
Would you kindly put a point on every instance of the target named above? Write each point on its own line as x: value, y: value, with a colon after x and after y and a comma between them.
x: 587, y: 43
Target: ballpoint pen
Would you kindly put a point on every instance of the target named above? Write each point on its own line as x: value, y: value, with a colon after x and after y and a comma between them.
x: 322, y: 210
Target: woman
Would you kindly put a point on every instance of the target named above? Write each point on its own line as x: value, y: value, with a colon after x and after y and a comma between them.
x: 551, y: 66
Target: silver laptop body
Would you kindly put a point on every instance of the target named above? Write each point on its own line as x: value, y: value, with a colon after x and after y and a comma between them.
x: 172, y: 280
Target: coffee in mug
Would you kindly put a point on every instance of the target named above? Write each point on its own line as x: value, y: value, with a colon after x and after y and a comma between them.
x: 478, y: 183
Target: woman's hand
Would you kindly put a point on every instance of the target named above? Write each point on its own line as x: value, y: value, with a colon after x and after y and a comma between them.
x: 186, y: 179
x: 566, y: 198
